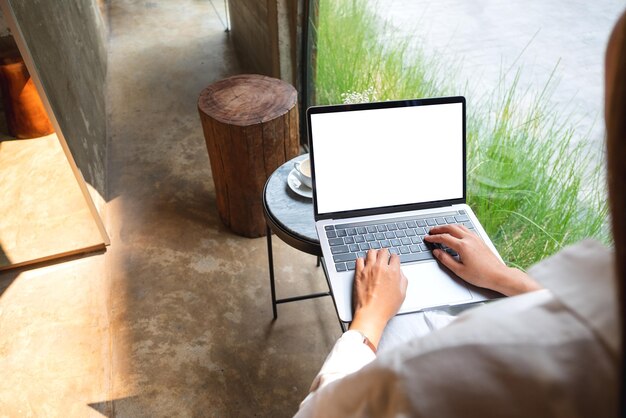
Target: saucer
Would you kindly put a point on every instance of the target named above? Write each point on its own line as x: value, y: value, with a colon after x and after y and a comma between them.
x: 296, y: 185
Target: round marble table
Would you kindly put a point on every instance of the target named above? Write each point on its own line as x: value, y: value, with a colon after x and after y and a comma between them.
x: 290, y: 217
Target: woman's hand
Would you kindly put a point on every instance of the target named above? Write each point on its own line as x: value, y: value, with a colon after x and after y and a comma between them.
x: 378, y: 292
x: 478, y: 265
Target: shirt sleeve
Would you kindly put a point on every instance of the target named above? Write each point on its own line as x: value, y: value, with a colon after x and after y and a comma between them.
x: 347, y: 356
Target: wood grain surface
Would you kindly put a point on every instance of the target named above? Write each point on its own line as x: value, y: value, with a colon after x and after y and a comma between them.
x: 250, y: 125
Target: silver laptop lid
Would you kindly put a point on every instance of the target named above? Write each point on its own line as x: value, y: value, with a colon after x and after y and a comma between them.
x: 385, y: 157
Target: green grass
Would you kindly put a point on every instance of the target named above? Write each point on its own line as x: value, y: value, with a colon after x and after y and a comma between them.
x: 352, y: 56
x: 530, y: 181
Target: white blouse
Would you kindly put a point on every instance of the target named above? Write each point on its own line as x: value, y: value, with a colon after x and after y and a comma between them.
x: 554, y: 352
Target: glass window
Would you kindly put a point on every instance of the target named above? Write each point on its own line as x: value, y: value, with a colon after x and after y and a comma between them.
x: 532, y: 73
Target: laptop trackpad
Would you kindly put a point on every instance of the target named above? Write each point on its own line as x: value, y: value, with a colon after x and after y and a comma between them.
x: 430, y: 285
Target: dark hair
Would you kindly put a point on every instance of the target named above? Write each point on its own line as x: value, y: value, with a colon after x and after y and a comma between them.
x: 615, y: 115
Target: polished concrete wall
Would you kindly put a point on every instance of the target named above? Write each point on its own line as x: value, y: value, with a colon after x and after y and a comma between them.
x: 67, y: 41
x: 254, y: 29
x: 266, y: 35
x: 4, y: 30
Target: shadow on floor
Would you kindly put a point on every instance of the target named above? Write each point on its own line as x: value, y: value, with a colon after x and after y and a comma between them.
x: 8, y: 276
x: 107, y: 408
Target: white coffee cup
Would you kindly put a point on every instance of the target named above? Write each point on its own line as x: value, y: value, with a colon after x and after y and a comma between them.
x: 303, y: 172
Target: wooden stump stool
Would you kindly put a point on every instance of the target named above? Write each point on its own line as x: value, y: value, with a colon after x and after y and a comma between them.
x: 250, y: 125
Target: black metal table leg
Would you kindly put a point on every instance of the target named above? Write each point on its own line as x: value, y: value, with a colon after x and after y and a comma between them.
x: 290, y: 218
x: 270, y: 258
x: 275, y: 302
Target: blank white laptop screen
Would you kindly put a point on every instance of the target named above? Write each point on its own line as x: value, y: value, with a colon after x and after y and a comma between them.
x: 385, y: 157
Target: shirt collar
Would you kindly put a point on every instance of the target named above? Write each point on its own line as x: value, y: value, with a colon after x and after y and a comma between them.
x: 582, y: 277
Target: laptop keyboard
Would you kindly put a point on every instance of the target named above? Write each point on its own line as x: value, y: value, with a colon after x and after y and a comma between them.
x: 402, y: 236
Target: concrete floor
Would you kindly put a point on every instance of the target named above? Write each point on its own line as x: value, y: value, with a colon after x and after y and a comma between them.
x: 175, y: 318
x: 192, y: 329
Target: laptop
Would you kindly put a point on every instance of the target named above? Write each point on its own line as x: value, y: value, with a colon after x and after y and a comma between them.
x: 383, y: 175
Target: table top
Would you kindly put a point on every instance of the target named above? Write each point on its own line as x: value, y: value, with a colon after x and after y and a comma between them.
x: 290, y: 215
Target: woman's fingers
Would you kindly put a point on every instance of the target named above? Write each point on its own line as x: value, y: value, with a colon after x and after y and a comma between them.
x: 448, y: 261
x: 457, y: 231
x: 376, y: 256
x: 446, y: 239
x: 394, y: 261
x: 360, y: 264
x: 382, y: 256
x: 378, y: 292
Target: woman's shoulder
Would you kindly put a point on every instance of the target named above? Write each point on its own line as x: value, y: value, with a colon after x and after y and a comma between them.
x: 576, y: 264
x: 582, y: 278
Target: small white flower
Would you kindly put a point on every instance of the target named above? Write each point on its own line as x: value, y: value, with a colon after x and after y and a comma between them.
x: 353, y: 97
